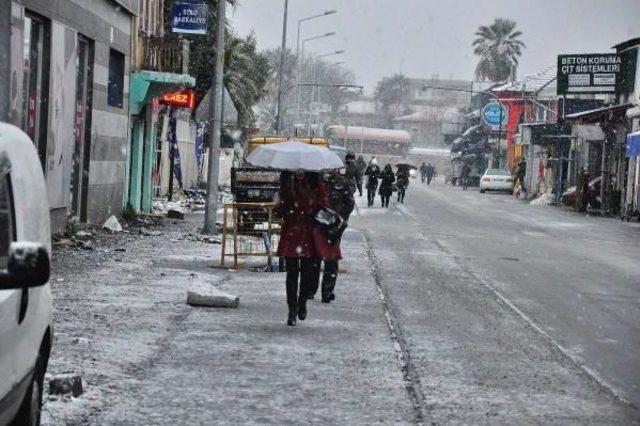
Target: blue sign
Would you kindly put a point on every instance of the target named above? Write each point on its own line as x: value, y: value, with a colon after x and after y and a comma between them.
x: 492, y: 113
x: 199, y: 141
x: 633, y: 144
x: 190, y: 18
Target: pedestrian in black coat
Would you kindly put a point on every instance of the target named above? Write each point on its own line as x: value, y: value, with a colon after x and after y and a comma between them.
x: 423, y: 171
x: 464, y: 175
x: 402, y: 179
x: 341, y: 199
x: 521, y: 172
x: 373, y: 174
x: 386, y: 185
x: 352, y: 173
x: 431, y: 171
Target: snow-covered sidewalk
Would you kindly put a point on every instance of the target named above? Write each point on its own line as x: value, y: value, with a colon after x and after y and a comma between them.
x: 146, y: 357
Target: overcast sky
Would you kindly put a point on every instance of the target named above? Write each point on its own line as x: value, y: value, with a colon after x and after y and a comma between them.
x: 424, y: 37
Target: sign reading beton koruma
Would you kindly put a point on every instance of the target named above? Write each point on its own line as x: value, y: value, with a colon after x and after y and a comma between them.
x: 189, y: 17
x: 588, y: 73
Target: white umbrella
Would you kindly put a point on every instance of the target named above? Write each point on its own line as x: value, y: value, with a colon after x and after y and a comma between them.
x: 294, y: 155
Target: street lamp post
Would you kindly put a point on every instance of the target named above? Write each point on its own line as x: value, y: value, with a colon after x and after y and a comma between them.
x: 300, y: 21
x: 315, y: 80
x: 281, y: 68
x: 304, y: 41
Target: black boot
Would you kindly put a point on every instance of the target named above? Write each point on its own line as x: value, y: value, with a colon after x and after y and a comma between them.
x: 291, y: 319
x: 302, y: 308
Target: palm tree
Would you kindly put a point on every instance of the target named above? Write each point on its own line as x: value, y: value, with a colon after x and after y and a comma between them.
x: 245, y: 74
x: 392, y: 93
x: 499, y: 48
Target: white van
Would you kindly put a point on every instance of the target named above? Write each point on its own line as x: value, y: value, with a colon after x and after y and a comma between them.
x: 26, y: 330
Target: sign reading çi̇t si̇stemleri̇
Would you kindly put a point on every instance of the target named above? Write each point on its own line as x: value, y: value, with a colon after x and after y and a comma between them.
x: 588, y: 73
x: 189, y: 17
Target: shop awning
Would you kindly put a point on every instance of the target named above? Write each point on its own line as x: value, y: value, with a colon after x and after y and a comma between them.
x: 633, y: 144
x: 146, y: 85
x: 599, y: 114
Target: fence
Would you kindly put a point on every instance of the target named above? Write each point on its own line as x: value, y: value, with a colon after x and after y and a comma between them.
x: 254, y: 232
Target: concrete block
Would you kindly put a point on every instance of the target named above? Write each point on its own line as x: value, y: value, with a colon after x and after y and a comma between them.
x: 203, y: 294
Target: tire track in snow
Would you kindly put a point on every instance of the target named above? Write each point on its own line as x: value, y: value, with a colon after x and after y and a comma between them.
x: 409, y: 375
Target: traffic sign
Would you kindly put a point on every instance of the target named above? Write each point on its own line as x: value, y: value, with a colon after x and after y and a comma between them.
x: 491, y: 115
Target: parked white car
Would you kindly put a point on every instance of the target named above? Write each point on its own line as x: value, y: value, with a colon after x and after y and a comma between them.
x: 26, y: 330
x: 496, y: 180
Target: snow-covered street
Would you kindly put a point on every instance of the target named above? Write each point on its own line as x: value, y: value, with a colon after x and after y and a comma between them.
x: 429, y: 325
x: 146, y: 357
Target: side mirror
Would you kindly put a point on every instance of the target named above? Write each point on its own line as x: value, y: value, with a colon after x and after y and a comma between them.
x: 28, y: 266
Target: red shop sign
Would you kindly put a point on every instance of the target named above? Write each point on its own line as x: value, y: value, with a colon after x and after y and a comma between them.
x: 182, y: 99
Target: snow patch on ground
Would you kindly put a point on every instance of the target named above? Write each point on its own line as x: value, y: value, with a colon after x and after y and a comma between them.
x: 544, y: 200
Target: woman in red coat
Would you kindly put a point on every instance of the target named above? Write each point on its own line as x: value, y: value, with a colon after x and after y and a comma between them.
x: 301, y: 196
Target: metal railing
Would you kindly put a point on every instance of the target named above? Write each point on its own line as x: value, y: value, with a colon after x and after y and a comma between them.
x: 254, y: 229
x: 164, y: 54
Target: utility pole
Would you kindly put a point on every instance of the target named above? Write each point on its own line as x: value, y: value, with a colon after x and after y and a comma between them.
x: 5, y: 56
x: 281, y: 68
x: 215, y: 110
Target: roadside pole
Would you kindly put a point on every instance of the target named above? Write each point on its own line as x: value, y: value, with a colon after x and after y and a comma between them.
x: 5, y: 55
x: 215, y: 110
x: 281, y: 69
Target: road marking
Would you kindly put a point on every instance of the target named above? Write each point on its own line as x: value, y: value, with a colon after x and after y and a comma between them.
x: 569, y: 353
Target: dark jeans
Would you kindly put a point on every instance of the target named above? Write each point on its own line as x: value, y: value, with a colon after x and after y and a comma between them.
x: 429, y: 179
x: 521, y: 182
x: 371, y: 196
x: 304, y: 271
x: 385, y: 200
x: 401, y: 193
x: 329, y: 277
x: 465, y: 182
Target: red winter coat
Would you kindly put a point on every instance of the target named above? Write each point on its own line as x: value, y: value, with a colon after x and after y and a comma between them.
x: 300, y: 236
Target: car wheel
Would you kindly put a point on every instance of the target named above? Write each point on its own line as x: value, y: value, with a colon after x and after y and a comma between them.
x: 31, y: 408
x: 482, y: 191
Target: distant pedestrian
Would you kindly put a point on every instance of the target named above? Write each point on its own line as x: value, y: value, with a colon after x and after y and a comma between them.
x: 430, y: 172
x: 301, y: 196
x: 423, y: 171
x: 352, y: 174
x: 373, y: 174
x: 386, y: 185
x: 464, y: 175
x: 402, y: 181
x: 521, y: 172
x: 361, y: 165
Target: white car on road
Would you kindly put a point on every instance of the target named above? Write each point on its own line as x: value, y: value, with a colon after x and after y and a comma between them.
x: 496, y: 180
x: 26, y: 330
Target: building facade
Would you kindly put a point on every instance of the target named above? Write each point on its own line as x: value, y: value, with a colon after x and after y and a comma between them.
x: 70, y: 93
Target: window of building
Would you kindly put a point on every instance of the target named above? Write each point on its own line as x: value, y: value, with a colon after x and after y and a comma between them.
x: 115, y: 87
x: 35, y: 83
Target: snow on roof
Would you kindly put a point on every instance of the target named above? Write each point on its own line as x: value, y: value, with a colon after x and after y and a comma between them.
x: 369, y: 133
x: 436, y: 152
x: 423, y: 113
x: 599, y: 111
x: 530, y: 83
x: 359, y: 107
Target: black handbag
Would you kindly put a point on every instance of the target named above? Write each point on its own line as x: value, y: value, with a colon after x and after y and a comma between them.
x: 330, y: 222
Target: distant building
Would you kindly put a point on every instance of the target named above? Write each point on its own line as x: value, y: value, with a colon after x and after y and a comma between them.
x: 370, y: 141
x: 423, y: 92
